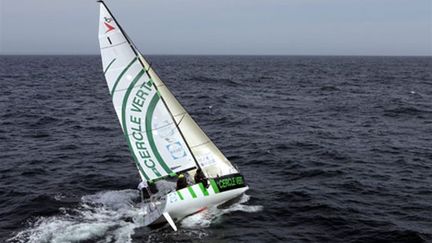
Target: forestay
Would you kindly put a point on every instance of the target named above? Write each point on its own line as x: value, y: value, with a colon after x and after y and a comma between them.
x: 152, y: 135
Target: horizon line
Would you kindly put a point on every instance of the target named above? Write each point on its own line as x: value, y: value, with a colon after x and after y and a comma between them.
x: 315, y: 55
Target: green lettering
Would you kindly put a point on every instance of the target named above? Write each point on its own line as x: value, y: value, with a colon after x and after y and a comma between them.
x: 137, y: 129
x: 136, y: 120
x: 138, y: 101
x: 135, y: 107
x: 144, y: 154
x: 138, y: 136
x: 147, y: 85
x: 141, y: 94
x: 140, y: 145
x: 239, y: 180
x: 152, y: 166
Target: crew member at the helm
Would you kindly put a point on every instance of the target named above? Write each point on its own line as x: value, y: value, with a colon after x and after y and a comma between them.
x: 181, y: 182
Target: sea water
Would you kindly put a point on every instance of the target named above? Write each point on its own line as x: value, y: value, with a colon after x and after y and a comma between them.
x: 334, y: 149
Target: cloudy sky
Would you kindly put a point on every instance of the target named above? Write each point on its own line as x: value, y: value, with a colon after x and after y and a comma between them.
x: 276, y: 27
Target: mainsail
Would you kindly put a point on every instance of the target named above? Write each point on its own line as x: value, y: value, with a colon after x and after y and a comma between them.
x: 162, y: 137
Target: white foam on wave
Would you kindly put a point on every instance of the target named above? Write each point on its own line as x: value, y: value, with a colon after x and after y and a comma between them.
x: 214, y: 214
x: 102, y: 217
x: 111, y: 216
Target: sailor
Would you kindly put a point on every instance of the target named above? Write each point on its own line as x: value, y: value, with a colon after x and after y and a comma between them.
x: 181, y: 182
x: 152, y: 187
x: 200, y: 177
x: 143, y: 187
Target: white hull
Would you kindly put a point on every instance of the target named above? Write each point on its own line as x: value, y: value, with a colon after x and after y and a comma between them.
x: 193, y: 199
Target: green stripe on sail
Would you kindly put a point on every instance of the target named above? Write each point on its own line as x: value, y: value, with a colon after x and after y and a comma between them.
x: 180, y: 195
x: 203, y: 189
x: 121, y: 75
x: 141, y: 169
x: 191, y: 191
x: 109, y: 65
x: 149, y: 132
x: 150, y: 83
x: 214, y: 186
x: 125, y: 99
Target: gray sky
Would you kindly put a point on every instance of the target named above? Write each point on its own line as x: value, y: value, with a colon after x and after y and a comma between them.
x: 293, y: 27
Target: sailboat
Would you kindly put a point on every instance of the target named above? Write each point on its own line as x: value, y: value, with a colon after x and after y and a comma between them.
x: 163, y: 138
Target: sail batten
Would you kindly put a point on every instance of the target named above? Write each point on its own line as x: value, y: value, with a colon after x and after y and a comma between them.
x: 112, y: 46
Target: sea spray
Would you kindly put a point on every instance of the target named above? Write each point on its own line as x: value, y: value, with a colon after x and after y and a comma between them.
x: 113, y: 216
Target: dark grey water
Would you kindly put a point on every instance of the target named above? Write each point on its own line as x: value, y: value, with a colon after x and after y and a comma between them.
x: 335, y: 149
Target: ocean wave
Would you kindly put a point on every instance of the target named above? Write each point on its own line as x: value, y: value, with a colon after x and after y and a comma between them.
x: 109, y: 216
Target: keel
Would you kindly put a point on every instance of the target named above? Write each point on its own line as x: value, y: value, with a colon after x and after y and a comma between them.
x: 170, y: 221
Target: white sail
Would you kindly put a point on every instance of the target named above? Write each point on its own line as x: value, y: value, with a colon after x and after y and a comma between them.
x: 154, y: 140
x: 209, y: 157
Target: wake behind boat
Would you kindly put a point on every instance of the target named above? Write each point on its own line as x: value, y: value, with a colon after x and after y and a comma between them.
x: 166, y: 144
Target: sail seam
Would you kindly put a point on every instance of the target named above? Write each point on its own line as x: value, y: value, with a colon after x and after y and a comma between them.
x: 135, y: 86
x: 152, y: 129
x: 181, y: 119
x: 180, y: 114
x: 121, y: 75
x: 109, y: 65
x: 208, y: 141
x: 103, y: 48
